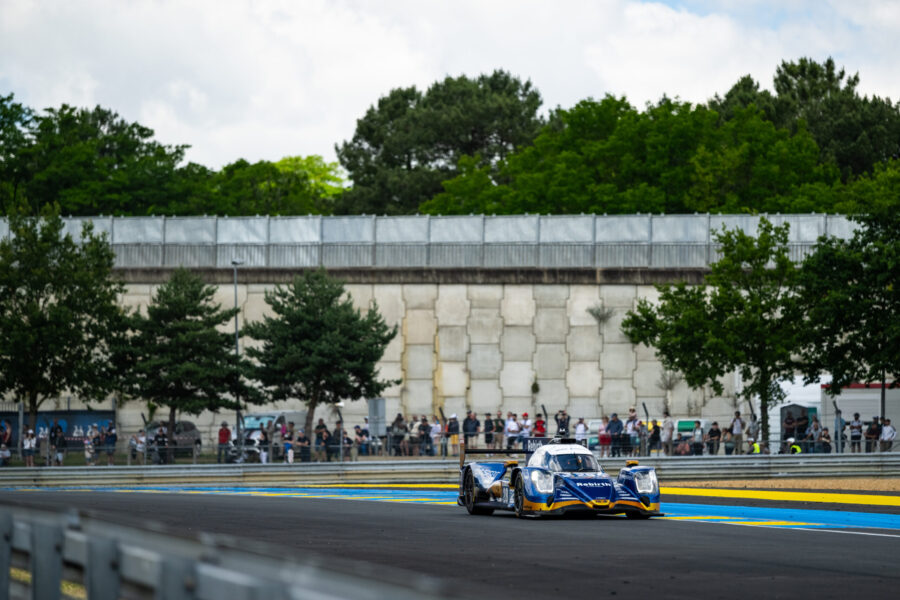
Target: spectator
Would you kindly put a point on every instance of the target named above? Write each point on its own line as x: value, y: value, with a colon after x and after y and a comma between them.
x: 603, y: 438
x: 320, y: 431
x: 562, y: 423
x: 630, y: 439
x: 301, y: 444
x: 346, y: 452
x: 667, y: 435
x: 813, y: 432
x: 856, y: 433
x: 727, y: 442
x: 615, y: 429
x: 138, y: 446
x: 263, y: 441
x: 888, y: 434
x: 801, y: 427
x: 499, y: 428
x: 873, y: 434
x: 540, y: 426
x: 412, y: 436
x: 682, y: 446
x: 427, y: 445
x: 57, y: 439
x: 488, y: 430
x: 453, y: 434
x: 753, y: 428
x: 471, y: 426
x: 287, y: 441
x: 525, y: 430
x: 697, y: 440
x: 437, y: 437
x: 224, y: 440
x: 361, y: 440
x: 825, y: 441
x: 399, y: 435
x: 654, y: 437
x: 29, y: 447
x: 160, y: 445
x: 511, y: 430
x: 737, y: 432
x: 581, y: 431
x: 713, y: 437
x: 5, y: 455
x: 109, y: 441
x: 788, y: 426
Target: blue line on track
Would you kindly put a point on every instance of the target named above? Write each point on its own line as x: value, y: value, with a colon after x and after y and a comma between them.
x: 816, y: 518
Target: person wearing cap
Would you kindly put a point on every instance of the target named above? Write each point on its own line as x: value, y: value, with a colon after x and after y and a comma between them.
x: 856, y: 432
x: 511, y: 430
x: 301, y: 445
x: 525, y: 431
x: 888, y: 434
x: 224, y: 440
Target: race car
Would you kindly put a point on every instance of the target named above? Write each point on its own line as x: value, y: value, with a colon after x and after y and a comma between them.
x: 560, y: 476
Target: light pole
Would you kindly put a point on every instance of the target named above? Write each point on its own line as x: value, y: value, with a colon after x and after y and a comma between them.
x: 235, y: 263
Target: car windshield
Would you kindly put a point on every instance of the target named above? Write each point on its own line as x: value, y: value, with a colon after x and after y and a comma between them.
x: 570, y: 463
x: 253, y: 422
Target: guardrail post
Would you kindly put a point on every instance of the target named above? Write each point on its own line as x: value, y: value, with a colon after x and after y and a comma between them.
x: 6, y: 533
x: 102, y: 576
x: 178, y: 580
x: 46, y: 560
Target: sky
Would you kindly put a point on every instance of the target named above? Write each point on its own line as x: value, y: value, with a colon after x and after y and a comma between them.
x: 265, y: 79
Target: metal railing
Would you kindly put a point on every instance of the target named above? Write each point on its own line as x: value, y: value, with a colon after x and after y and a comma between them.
x: 670, y: 468
x: 477, y: 241
x: 112, y: 561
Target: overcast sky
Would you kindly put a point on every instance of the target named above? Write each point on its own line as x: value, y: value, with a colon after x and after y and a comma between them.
x: 266, y: 79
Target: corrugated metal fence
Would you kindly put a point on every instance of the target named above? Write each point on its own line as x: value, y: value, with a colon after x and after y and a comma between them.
x: 650, y: 241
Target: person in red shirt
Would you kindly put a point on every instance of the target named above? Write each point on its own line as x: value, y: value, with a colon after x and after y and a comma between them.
x: 540, y: 426
x: 224, y: 439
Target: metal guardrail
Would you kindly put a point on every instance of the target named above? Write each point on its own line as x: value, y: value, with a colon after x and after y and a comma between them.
x: 443, y: 471
x: 112, y: 562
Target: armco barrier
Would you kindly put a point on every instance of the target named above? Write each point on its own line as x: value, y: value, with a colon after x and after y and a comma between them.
x: 113, y: 561
x: 443, y: 471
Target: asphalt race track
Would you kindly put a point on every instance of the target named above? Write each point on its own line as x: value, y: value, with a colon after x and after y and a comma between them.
x: 705, y: 548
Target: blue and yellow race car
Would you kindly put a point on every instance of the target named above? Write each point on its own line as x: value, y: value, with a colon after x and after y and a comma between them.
x: 560, y: 476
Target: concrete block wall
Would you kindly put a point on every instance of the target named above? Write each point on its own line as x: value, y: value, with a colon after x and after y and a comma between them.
x: 483, y: 346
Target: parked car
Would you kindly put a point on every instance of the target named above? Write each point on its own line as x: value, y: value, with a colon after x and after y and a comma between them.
x: 187, y: 439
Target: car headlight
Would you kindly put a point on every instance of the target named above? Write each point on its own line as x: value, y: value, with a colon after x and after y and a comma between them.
x: 645, y: 481
x: 542, y: 481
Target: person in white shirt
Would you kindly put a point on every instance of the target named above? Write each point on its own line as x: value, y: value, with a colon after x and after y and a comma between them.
x: 888, y: 433
x: 511, y: 430
x: 581, y: 430
x: 527, y: 426
x: 737, y: 432
x: 667, y: 433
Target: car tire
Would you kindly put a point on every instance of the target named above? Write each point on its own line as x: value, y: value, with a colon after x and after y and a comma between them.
x: 637, y: 516
x: 469, y: 496
x: 519, y: 497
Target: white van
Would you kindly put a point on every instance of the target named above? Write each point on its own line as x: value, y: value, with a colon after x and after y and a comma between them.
x: 279, y: 419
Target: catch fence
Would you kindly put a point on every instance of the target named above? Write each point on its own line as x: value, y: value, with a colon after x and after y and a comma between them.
x: 440, y: 242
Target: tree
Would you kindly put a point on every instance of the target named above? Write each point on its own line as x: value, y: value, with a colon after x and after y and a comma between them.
x: 58, y: 311
x: 850, y: 293
x: 184, y: 358
x: 317, y: 347
x: 410, y: 142
x: 15, y: 120
x: 744, y: 318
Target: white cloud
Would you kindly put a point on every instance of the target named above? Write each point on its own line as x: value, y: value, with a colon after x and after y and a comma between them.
x: 268, y: 79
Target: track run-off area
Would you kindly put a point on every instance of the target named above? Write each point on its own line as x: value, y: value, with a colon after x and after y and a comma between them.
x: 728, y: 543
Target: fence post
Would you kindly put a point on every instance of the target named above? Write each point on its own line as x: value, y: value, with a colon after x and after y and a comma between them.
x: 6, y: 533
x: 46, y: 560
x: 102, y: 576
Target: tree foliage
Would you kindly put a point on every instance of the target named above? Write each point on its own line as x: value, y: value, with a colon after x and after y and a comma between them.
x: 409, y: 142
x: 58, y: 311
x: 744, y: 318
x: 851, y: 302
x: 185, y: 359
x: 317, y: 347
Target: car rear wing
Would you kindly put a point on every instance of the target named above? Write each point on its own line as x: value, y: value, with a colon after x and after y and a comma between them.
x: 529, y: 445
